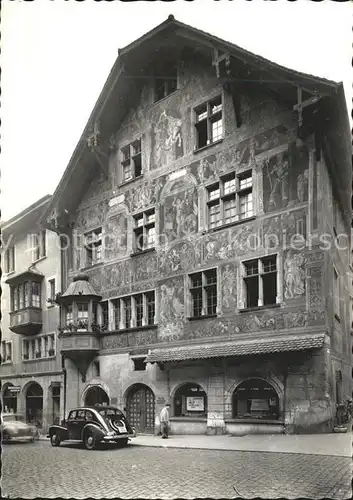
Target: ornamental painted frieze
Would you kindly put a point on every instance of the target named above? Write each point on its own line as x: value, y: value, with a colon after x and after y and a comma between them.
x: 131, y: 339
x: 141, y: 196
x: 91, y: 216
x: 316, y: 300
x: 144, y: 267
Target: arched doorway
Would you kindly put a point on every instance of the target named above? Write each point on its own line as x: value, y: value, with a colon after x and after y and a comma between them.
x: 9, y: 400
x: 255, y: 398
x: 140, y: 408
x: 34, y: 404
x: 96, y: 395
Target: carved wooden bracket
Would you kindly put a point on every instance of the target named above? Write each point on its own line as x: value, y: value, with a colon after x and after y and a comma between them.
x: 233, y: 89
x: 310, y: 121
x: 219, y: 57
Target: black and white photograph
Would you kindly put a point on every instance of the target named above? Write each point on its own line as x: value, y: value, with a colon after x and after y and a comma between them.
x: 176, y: 249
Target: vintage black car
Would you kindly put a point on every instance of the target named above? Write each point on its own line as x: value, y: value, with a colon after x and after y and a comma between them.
x: 93, y: 425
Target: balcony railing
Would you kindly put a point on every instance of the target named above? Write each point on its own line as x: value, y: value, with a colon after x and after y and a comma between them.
x: 27, y: 321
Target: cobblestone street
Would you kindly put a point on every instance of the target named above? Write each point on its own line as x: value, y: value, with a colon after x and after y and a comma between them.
x: 37, y: 470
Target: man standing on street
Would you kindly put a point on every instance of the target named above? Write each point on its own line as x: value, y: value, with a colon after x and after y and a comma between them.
x: 164, y: 419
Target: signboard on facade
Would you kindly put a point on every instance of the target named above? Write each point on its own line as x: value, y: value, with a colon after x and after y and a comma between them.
x: 14, y: 388
x: 259, y: 405
x: 195, y: 403
x: 160, y: 401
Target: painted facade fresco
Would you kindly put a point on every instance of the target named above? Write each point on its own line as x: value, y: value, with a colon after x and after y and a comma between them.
x: 285, y: 179
x: 167, y: 141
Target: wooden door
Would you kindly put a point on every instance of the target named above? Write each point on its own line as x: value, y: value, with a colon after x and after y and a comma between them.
x: 140, y: 409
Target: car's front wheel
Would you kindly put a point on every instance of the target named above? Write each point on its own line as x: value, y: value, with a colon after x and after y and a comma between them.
x: 89, y: 441
x: 55, y: 440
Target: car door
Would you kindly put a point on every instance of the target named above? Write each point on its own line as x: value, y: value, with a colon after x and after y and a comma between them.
x: 71, y: 424
x: 79, y: 423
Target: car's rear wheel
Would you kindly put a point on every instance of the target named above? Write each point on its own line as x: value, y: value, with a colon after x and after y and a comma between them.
x: 55, y: 440
x: 89, y: 441
x: 5, y: 436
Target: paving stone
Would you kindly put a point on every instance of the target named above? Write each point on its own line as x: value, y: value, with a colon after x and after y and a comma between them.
x: 36, y: 470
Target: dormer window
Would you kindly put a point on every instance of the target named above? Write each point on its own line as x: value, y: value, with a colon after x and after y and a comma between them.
x: 166, y: 81
x: 131, y: 162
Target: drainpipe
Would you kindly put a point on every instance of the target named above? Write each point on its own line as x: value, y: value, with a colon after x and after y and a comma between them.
x: 62, y: 283
x: 65, y: 377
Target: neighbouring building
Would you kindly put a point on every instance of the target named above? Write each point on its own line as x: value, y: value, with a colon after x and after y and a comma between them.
x: 31, y: 371
x: 202, y: 219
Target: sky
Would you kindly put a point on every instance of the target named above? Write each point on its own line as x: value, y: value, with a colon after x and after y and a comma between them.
x: 56, y: 56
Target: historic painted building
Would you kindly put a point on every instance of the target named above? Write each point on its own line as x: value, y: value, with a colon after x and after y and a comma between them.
x: 31, y: 372
x: 202, y: 209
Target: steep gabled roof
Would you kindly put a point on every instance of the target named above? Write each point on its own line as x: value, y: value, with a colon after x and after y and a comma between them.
x: 117, y: 94
x: 26, y: 219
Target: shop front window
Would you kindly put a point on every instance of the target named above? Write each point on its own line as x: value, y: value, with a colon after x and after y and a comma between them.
x: 255, y: 398
x: 190, y: 400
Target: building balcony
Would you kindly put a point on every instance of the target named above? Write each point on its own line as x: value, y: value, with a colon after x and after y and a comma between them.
x: 27, y: 321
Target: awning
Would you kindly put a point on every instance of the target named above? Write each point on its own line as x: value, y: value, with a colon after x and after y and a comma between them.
x: 237, y: 348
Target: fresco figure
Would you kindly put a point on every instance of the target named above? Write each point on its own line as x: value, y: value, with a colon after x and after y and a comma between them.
x: 168, y: 134
x: 294, y: 275
x: 302, y: 184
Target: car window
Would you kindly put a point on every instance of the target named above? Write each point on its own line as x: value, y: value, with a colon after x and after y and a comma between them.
x: 72, y: 415
x: 89, y: 415
x: 80, y: 415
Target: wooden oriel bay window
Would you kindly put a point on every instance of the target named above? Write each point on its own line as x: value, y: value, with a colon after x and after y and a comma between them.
x: 134, y: 310
x: 203, y: 293
x: 27, y: 294
x: 131, y: 161
x: 144, y: 230
x: 260, y: 280
x: 230, y: 199
x: 209, y: 122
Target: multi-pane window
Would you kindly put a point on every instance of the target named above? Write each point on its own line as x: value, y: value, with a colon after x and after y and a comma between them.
x: 134, y: 310
x: 69, y: 315
x: 35, y: 294
x: 6, y: 351
x: 260, y: 279
x: 27, y: 294
x: 40, y: 347
x: 166, y: 82
x: 209, y: 123
x: 9, y: 260
x: 144, y: 230
x: 203, y: 293
x: 131, y: 161
x: 93, y: 247
x: 82, y: 314
x: 230, y: 199
x: 39, y: 245
x: 336, y: 293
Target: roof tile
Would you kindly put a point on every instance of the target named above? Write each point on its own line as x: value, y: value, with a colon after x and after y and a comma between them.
x: 237, y: 348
